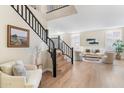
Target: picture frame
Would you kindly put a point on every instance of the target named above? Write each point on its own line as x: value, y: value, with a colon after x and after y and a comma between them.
x: 17, y: 37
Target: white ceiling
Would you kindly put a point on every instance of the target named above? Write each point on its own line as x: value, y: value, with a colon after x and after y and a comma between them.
x: 90, y: 17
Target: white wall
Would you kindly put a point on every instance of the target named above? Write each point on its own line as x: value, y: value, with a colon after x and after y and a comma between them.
x: 40, y: 14
x: 9, y: 16
x: 67, y: 38
x: 98, y: 35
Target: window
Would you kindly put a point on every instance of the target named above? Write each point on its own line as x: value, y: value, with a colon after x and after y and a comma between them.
x: 111, y: 37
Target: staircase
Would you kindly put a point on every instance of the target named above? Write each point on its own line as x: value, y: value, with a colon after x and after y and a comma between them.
x: 60, y: 60
x: 27, y: 15
x: 63, y: 67
x: 63, y: 47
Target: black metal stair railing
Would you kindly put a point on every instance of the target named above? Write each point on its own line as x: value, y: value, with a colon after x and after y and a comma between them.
x: 27, y: 15
x: 64, y: 47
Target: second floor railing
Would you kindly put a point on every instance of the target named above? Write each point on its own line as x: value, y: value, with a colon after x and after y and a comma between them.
x: 51, y: 8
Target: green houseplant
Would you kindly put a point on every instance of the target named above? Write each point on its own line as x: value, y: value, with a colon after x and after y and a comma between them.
x: 119, y: 48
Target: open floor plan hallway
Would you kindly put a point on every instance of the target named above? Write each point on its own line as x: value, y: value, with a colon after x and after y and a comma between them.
x: 86, y: 75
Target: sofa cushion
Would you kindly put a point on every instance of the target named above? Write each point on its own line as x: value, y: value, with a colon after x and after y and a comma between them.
x: 19, y: 62
x: 34, y: 77
x: 87, y: 51
x: 19, y: 69
x: 8, y: 81
x: 7, y: 67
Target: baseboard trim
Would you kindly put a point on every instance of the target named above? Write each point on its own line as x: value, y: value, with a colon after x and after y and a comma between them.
x: 47, y: 69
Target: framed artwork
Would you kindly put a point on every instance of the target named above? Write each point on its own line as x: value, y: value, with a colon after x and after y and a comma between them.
x: 17, y: 37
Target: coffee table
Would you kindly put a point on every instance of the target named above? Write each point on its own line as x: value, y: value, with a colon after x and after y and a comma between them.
x: 93, y: 56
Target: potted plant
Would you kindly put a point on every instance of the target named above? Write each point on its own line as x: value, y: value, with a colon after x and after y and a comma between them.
x: 119, y: 48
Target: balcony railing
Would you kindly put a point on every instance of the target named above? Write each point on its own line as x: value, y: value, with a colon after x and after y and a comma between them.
x: 51, y: 8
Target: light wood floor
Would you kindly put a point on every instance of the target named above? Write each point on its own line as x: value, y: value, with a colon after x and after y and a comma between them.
x: 86, y: 75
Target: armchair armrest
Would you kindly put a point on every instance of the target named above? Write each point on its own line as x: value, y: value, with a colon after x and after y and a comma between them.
x: 27, y: 85
x: 104, y: 58
x: 8, y: 81
x: 30, y: 67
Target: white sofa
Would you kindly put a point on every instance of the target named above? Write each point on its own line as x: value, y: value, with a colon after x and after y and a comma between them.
x: 31, y: 80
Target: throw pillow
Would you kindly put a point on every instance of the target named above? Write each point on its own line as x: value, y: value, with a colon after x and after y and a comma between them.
x: 87, y: 50
x: 19, y: 70
x: 19, y: 62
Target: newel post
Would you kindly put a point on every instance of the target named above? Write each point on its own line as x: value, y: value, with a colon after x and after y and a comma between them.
x: 46, y: 35
x: 58, y: 42
x: 72, y: 59
x: 54, y: 62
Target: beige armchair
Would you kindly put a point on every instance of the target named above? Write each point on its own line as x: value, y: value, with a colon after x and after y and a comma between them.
x: 109, y: 59
x: 31, y: 80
